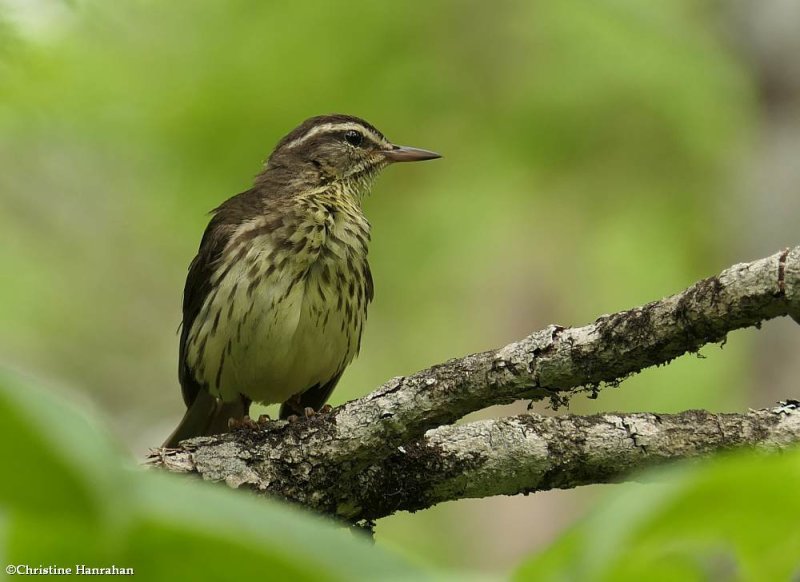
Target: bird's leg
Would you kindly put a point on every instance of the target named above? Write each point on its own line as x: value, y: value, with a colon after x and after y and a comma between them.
x: 294, y: 404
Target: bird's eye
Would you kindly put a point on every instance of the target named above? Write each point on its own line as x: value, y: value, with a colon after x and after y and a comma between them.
x: 353, y: 137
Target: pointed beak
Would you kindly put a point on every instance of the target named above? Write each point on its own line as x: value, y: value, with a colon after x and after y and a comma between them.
x: 407, y: 154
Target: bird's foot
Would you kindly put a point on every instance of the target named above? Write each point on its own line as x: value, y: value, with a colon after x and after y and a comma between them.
x: 248, y: 423
x: 309, y: 412
x: 244, y: 422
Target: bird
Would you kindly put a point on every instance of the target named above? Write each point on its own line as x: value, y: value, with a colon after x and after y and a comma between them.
x: 276, y: 298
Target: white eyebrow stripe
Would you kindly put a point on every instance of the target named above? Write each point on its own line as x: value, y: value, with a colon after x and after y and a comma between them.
x: 330, y: 127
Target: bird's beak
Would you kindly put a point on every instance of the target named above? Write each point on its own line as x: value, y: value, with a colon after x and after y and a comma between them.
x: 407, y: 154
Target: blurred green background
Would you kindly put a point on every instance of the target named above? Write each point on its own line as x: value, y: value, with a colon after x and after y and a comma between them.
x: 597, y: 156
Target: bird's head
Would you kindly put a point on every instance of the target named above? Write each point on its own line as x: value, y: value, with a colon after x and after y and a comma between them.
x: 339, y: 148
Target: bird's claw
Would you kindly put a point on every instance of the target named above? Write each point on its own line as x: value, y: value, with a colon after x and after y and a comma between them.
x: 244, y: 422
x: 309, y: 412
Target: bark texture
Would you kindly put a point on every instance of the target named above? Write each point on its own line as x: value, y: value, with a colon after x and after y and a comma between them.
x: 393, y: 450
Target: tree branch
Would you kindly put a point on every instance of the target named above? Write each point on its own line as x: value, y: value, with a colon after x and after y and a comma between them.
x: 520, y: 454
x: 313, y: 462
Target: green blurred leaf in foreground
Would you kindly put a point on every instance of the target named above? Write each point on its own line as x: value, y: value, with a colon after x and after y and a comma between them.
x: 68, y: 497
x: 733, y: 518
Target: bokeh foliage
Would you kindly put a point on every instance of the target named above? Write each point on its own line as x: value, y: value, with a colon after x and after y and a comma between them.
x: 588, y: 149
x: 68, y: 498
x: 733, y: 518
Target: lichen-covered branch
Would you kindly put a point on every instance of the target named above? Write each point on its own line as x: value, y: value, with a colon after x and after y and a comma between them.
x: 507, y: 456
x: 554, y: 363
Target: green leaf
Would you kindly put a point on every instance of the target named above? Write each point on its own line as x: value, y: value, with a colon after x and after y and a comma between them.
x: 69, y: 497
x: 56, y: 460
x: 730, y: 518
x: 229, y: 534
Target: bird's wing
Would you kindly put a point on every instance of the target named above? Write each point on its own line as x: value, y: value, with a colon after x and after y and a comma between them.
x: 198, y: 282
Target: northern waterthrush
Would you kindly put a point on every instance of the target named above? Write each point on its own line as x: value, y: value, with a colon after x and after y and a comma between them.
x: 276, y: 298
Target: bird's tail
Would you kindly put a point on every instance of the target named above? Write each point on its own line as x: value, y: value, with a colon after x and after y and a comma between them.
x: 206, y: 416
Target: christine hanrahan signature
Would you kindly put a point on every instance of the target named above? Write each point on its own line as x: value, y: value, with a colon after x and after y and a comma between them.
x: 80, y: 569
